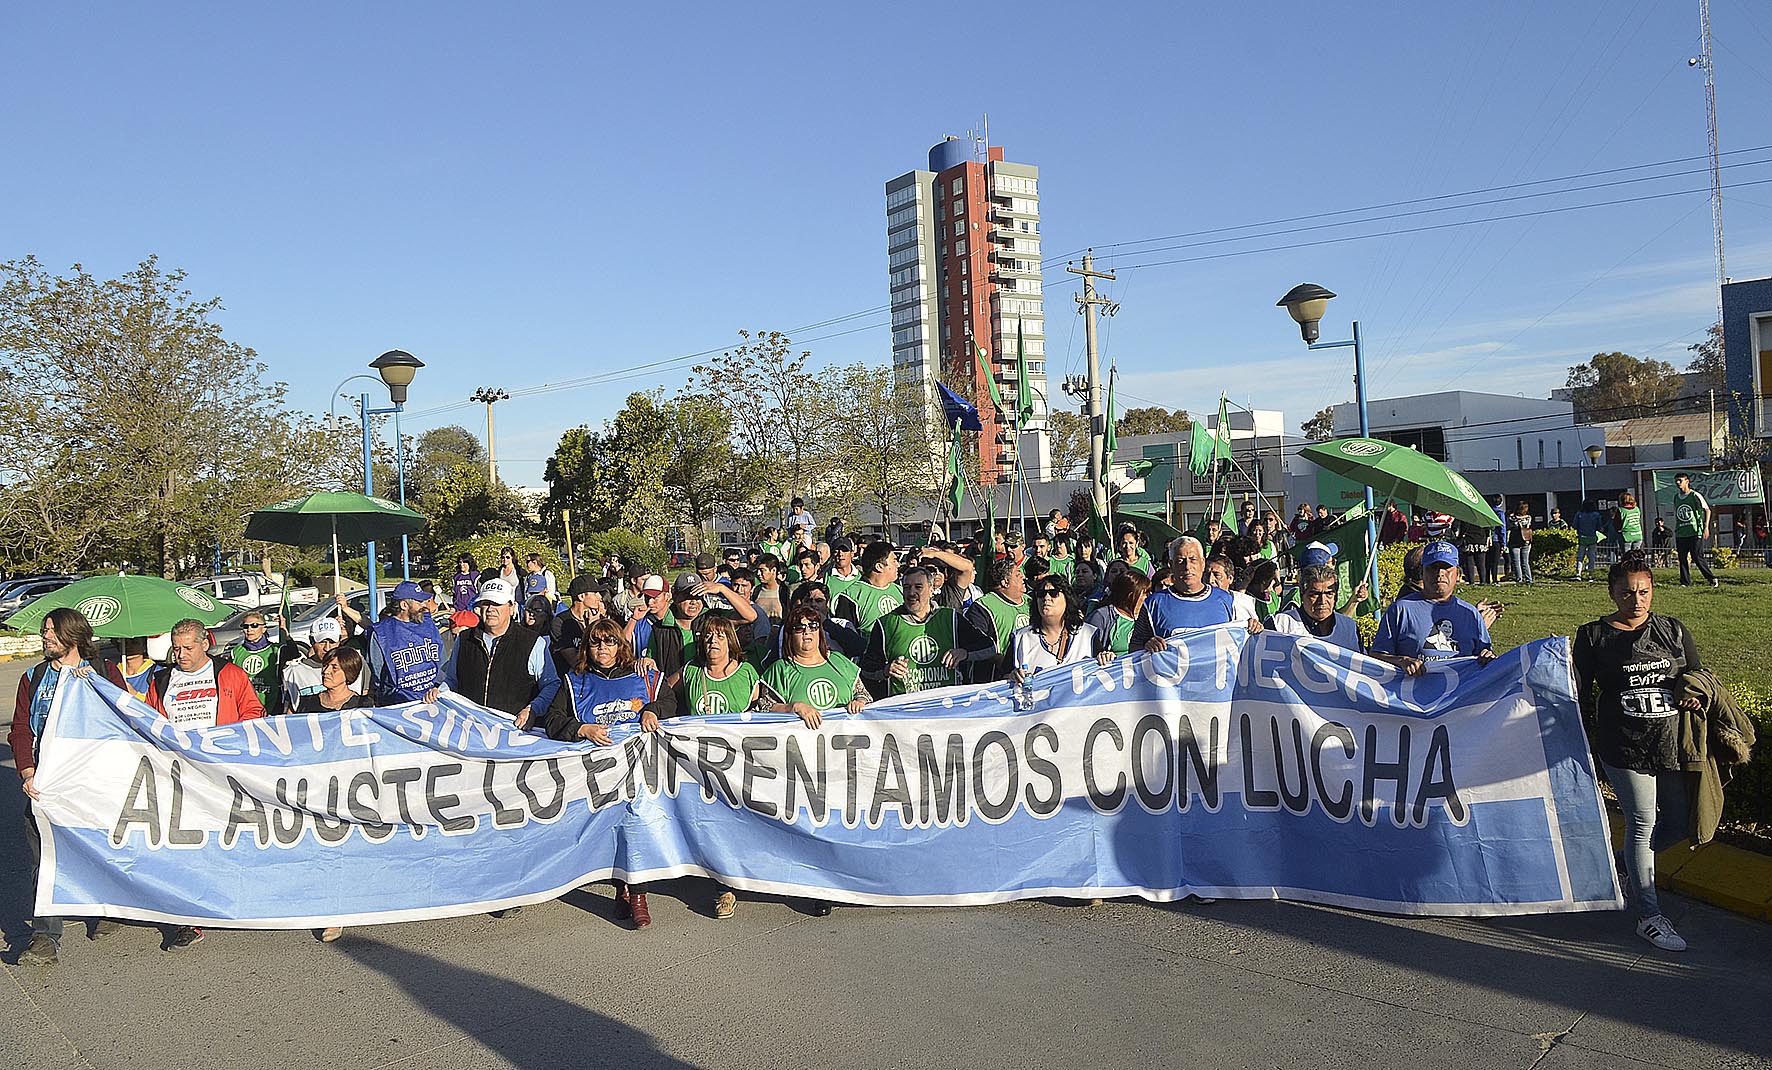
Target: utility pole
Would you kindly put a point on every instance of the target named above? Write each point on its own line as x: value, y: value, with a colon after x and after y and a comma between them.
x: 1086, y: 302
x: 1710, y: 444
x: 489, y: 396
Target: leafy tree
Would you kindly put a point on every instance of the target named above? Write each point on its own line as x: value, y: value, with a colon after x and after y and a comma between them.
x: 1153, y: 420
x: 882, y: 433
x: 614, y: 476
x: 1069, y: 434
x: 702, y: 474
x: 780, y: 413
x: 131, y: 426
x: 1320, y: 427
x: 1707, y: 359
x: 437, y: 452
x: 1617, y: 386
x: 461, y: 504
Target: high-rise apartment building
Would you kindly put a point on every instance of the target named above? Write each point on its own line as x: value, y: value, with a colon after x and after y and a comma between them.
x: 963, y: 249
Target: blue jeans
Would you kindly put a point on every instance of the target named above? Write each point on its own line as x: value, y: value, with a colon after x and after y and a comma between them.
x: 1521, y: 559
x: 1655, y: 808
x: 1588, y: 552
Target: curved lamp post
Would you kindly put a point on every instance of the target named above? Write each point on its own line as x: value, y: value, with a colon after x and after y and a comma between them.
x: 1306, y: 303
x: 396, y: 368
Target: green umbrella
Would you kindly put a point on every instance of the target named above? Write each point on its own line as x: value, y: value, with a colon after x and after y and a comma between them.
x: 1157, y: 531
x: 122, y: 606
x: 1394, y: 471
x: 333, y: 515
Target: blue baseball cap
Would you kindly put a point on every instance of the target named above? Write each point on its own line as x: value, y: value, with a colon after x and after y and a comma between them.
x: 1318, y: 553
x: 1439, y: 553
x: 408, y: 589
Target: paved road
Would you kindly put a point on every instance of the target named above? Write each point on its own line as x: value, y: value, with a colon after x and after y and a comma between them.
x: 1038, y: 984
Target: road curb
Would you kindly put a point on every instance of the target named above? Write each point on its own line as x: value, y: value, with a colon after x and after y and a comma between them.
x: 1718, y: 873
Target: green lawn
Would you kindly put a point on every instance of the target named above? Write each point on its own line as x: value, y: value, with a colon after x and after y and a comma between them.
x: 1732, y: 624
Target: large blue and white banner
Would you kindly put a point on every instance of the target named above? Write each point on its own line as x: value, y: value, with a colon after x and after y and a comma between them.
x: 1233, y: 766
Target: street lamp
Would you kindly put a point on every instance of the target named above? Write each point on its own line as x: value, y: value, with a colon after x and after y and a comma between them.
x: 1305, y: 303
x: 1594, y: 453
x: 396, y: 368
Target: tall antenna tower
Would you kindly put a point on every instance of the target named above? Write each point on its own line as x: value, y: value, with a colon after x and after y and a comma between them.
x: 1710, y: 116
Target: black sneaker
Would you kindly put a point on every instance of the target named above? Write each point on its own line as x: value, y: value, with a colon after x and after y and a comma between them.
x: 509, y: 912
x: 42, y: 952
x: 180, y: 937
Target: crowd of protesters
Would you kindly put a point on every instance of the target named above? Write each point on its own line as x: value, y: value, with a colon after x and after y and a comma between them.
x: 809, y: 621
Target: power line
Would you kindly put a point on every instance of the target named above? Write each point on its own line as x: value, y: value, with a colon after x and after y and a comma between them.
x: 1436, y: 226
x: 1427, y: 200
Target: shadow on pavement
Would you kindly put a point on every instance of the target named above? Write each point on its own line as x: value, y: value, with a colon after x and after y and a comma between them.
x: 1590, y: 963
x: 542, y: 1030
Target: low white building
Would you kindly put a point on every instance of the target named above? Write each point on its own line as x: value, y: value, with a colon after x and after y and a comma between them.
x: 1477, y: 432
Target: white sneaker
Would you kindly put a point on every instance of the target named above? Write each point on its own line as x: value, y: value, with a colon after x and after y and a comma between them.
x: 1660, y: 932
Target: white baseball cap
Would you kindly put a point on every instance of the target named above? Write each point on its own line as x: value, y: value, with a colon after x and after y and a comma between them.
x: 654, y: 584
x: 327, y: 628
x: 496, y: 592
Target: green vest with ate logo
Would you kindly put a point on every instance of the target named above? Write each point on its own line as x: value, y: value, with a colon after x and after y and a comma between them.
x: 828, y: 686
x: 922, y: 644
x: 709, y: 697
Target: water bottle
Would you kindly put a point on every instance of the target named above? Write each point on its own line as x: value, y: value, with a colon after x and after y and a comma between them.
x: 1024, y: 698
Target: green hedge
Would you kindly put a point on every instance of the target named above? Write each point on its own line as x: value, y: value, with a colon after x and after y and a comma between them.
x: 1747, y: 802
x: 625, y: 544
x: 1553, y: 550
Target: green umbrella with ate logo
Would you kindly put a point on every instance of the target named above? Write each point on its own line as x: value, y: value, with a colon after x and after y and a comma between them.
x: 1408, y: 475
x: 333, y: 515
x: 124, y: 606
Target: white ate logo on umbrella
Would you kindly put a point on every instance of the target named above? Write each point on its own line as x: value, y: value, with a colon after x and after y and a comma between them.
x: 100, y: 610
x: 1362, y: 449
x: 197, y: 598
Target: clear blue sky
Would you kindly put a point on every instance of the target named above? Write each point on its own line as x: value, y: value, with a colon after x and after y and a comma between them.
x: 525, y: 194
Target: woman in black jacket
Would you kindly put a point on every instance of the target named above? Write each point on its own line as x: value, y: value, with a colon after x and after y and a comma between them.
x: 1626, y: 666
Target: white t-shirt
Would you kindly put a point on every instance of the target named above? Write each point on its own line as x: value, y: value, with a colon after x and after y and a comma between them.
x: 191, y: 697
x: 1029, y: 652
x: 1245, y: 607
x: 1345, y: 634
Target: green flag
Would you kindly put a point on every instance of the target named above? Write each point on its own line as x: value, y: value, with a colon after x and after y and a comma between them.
x: 1024, y: 394
x: 990, y: 374
x: 1221, y: 441
x: 1229, y: 520
x: 1352, y: 556
x: 987, y: 539
x: 956, y: 474
x: 1199, y: 450
x: 1107, y: 458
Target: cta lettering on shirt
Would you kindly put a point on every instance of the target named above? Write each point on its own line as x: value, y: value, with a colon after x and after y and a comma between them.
x: 1646, y: 694
x: 192, y: 697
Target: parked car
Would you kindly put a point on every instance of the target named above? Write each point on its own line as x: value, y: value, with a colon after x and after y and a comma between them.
x: 22, y: 592
x: 252, y: 590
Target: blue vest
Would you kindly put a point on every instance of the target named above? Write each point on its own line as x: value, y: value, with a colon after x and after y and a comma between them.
x: 604, y: 699
x: 412, y: 658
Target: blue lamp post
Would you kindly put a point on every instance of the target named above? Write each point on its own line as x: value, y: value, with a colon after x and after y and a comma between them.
x: 1305, y: 303
x: 396, y: 368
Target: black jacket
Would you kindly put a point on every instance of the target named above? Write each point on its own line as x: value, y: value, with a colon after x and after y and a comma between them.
x: 503, y: 683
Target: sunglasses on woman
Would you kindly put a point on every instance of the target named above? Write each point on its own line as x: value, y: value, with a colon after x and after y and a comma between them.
x: 809, y: 626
